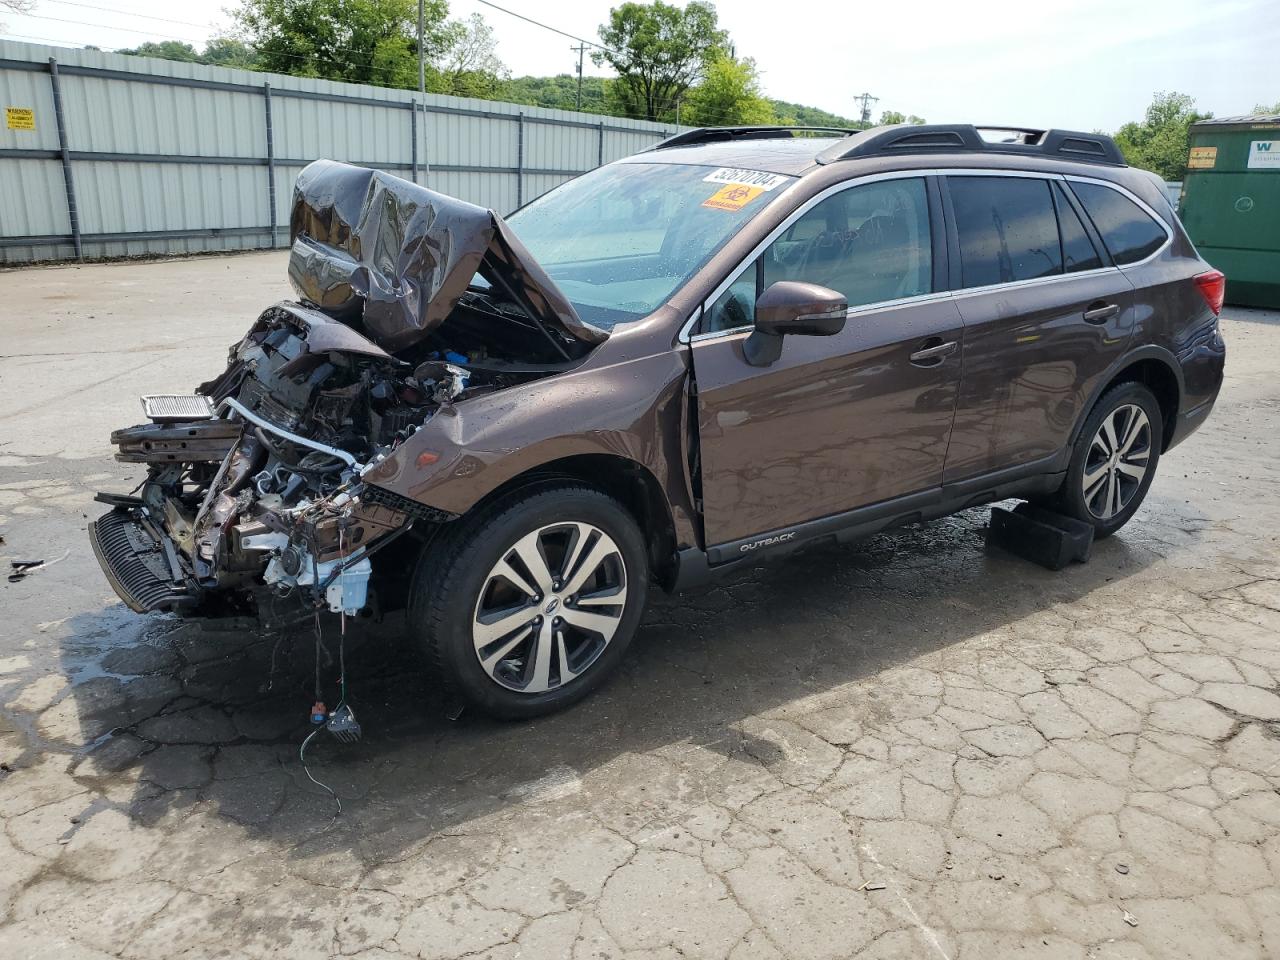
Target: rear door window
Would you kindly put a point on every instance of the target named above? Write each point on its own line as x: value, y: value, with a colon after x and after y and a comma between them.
x: 1007, y: 229
x: 1129, y: 232
x: 1078, y: 252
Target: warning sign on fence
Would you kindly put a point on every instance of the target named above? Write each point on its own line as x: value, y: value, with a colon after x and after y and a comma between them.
x: 20, y: 118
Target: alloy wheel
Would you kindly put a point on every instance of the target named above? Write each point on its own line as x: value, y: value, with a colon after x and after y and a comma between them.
x: 549, y: 607
x: 1117, y: 461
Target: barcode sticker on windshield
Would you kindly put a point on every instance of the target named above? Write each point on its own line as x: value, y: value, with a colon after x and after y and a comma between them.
x: 747, y: 178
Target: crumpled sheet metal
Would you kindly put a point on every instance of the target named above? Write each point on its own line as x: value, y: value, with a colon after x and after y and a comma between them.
x: 394, y: 257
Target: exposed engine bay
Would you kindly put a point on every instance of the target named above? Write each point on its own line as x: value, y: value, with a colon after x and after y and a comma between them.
x: 409, y: 302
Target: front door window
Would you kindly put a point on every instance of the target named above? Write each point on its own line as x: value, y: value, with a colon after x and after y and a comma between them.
x: 870, y: 242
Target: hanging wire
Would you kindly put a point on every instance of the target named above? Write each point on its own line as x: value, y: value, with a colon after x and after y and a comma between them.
x: 302, y: 758
x: 302, y: 750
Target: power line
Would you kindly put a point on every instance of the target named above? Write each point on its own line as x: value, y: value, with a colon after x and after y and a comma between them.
x: 104, y: 26
x: 304, y: 57
x: 546, y: 26
x: 130, y: 13
x: 666, y: 103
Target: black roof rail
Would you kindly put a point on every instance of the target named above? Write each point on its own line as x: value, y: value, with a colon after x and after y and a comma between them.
x: 966, y: 138
x: 721, y: 134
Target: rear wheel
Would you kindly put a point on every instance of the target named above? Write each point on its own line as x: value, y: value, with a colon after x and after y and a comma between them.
x: 1114, y: 459
x: 529, y: 606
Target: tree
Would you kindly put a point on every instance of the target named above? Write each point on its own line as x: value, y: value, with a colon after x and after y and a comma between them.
x: 229, y: 52
x: 359, y: 41
x: 218, y: 52
x: 469, y: 66
x: 1267, y: 110
x: 728, y: 95
x: 797, y: 114
x: 166, y: 50
x: 1159, y: 143
x: 658, y: 51
x: 559, y: 92
x: 891, y: 117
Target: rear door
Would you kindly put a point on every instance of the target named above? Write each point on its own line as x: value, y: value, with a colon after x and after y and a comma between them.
x: 1046, y: 313
x: 836, y: 422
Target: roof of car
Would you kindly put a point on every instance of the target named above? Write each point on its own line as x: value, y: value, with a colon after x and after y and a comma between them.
x: 791, y: 156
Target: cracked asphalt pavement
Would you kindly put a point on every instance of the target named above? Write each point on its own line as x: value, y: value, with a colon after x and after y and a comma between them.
x: 909, y: 748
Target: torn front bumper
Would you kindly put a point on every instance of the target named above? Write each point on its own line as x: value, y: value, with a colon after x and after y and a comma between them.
x: 140, y: 562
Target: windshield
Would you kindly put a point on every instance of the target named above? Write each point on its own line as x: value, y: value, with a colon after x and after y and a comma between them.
x: 618, y: 241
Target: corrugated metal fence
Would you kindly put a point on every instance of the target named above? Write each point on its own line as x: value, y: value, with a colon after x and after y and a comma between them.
x: 104, y: 155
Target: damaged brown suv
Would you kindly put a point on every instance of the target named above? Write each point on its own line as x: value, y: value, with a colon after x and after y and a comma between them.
x: 734, y: 344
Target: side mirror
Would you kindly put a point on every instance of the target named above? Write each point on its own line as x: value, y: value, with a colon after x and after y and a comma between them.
x: 792, y: 307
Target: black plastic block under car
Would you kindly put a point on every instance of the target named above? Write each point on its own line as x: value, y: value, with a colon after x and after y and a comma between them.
x: 1039, y: 535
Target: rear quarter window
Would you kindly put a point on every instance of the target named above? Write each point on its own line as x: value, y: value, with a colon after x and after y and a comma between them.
x: 1129, y: 232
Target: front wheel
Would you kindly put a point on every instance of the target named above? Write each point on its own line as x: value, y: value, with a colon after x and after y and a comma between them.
x: 530, y: 605
x: 1114, y: 459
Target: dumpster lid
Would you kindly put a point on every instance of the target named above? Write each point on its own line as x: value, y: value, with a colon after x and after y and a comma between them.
x: 1251, y: 121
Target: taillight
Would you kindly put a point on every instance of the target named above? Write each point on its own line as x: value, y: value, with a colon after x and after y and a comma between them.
x: 1213, y: 287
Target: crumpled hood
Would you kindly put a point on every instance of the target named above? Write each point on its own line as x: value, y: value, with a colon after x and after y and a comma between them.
x: 394, y: 257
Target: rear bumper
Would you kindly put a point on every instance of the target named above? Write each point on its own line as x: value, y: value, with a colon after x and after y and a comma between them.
x: 1202, y: 372
x: 140, y: 562
x: 1189, y: 422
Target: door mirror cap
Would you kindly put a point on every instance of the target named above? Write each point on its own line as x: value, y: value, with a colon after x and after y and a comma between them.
x: 797, y: 308
x: 806, y: 309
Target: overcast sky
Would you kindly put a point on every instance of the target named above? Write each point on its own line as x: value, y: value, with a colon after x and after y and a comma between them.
x: 1083, y: 64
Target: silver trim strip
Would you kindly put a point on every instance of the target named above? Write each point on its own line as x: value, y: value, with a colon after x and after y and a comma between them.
x: 731, y: 278
x: 777, y: 232
x: 253, y: 418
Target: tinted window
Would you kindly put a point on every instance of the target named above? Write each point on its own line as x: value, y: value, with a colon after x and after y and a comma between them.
x: 1128, y: 231
x: 1077, y: 249
x: 871, y: 243
x: 1007, y: 229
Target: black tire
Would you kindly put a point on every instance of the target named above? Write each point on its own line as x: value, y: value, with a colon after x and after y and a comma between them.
x: 1070, y: 498
x: 453, y: 570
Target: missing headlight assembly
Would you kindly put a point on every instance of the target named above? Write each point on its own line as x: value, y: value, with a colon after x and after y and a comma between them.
x: 409, y: 302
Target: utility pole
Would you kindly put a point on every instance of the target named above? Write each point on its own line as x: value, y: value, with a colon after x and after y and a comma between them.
x: 422, y: 54
x: 582, y: 49
x: 866, y: 100
x: 422, y: 82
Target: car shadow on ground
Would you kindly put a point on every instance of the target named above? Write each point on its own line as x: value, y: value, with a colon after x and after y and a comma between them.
x: 210, y: 717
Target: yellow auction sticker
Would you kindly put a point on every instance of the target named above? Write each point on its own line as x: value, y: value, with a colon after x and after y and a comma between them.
x: 20, y: 118
x: 1202, y: 158
x: 732, y: 196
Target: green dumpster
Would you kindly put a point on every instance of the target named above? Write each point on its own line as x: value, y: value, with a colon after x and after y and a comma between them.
x: 1231, y: 203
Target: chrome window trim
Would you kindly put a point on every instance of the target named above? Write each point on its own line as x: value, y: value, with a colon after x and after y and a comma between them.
x: 796, y: 214
x: 878, y: 306
x: 687, y: 337
x: 1142, y: 205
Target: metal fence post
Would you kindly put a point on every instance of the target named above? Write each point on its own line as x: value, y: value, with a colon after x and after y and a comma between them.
x: 271, y: 163
x: 519, y: 160
x: 68, y: 181
x: 413, y: 135
x: 600, y: 151
x: 426, y: 154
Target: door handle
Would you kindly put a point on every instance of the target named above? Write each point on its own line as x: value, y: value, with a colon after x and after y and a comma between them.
x: 1100, y: 312
x: 932, y: 355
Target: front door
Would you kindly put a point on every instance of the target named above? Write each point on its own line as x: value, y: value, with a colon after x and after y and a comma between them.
x: 836, y: 422
x: 1045, y: 316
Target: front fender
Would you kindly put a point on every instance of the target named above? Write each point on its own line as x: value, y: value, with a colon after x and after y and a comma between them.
x: 629, y: 409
